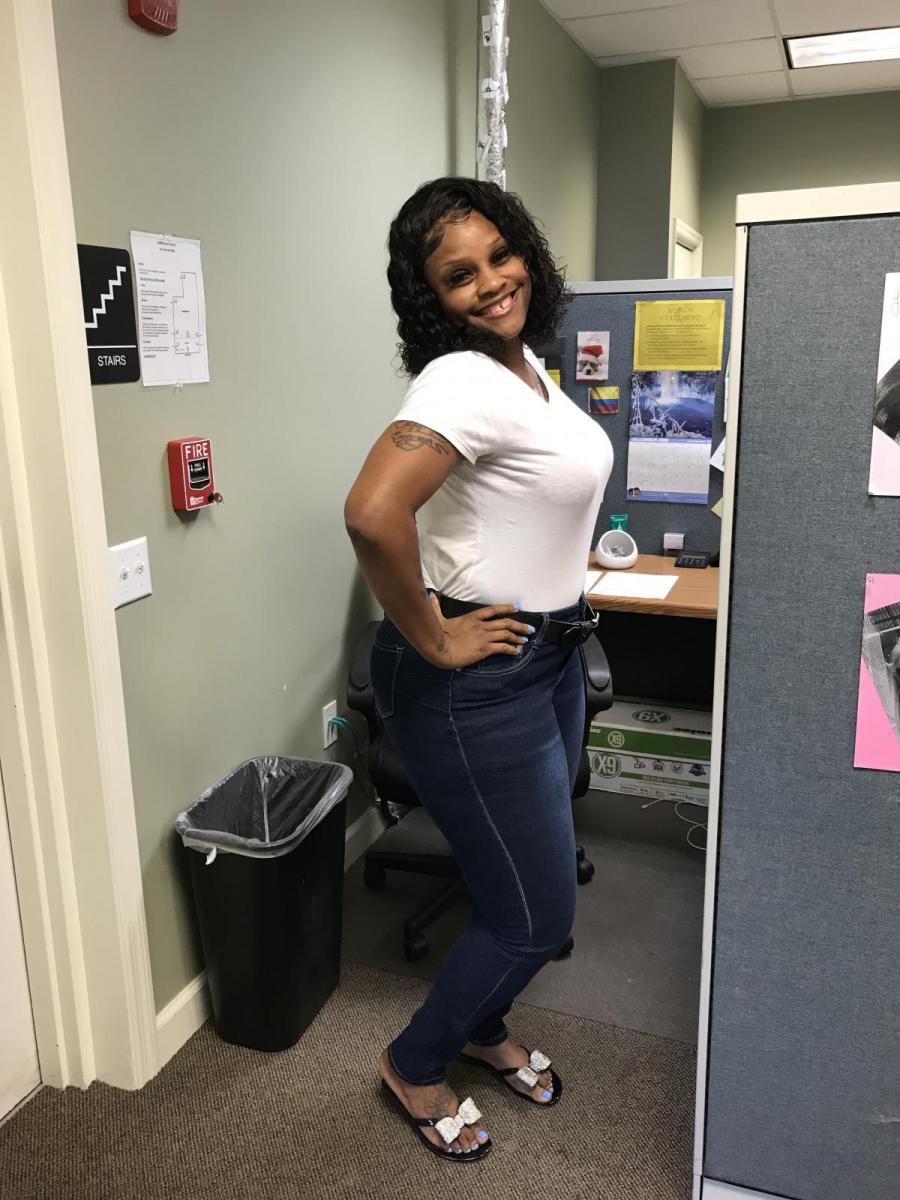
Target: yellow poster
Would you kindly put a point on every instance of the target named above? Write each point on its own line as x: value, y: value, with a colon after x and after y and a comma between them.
x: 678, y: 335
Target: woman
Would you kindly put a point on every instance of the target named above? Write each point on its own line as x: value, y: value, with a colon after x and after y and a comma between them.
x: 474, y: 669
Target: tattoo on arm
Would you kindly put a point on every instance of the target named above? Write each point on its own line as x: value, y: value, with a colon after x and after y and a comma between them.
x: 409, y: 436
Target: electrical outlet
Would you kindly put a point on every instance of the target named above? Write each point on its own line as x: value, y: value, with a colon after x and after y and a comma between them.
x: 673, y: 543
x: 329, y: 732
x: 129, y: 571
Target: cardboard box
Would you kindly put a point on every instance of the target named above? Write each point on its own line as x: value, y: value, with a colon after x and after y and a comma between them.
x: 651, y: 750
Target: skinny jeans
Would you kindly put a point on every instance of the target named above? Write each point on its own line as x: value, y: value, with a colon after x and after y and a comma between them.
x: 492, y: 751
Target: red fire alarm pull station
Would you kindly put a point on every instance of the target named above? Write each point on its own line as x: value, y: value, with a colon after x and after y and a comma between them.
x: 191, y: 474
x: 159, y: 16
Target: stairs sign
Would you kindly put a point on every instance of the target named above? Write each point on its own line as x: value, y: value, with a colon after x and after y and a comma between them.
x: 108, y: 302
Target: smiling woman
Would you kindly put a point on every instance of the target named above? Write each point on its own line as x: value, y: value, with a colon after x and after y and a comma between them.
x: 474, y: 670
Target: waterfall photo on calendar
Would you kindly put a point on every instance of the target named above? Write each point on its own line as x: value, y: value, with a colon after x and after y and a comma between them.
x: 669, y: 435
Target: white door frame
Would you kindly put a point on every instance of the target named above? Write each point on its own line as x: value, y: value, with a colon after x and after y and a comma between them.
x: 63, y: 741
x: 684, y: 235
x: 812, y: 204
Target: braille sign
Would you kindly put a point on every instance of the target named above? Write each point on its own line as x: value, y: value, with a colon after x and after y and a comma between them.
x: 108, y: 302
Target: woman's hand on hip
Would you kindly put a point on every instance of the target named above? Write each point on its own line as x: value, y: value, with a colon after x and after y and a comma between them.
x: 467, y: 639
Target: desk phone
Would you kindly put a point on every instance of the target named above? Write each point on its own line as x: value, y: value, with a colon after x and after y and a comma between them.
x: 698, y: 559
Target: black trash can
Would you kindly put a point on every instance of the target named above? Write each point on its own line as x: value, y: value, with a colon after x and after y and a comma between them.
x: 266, y: 854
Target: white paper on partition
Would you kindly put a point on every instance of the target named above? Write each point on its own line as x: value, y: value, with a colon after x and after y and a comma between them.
x: 590, y: 581
x: 717, y: 459
x: 171, y: 309
x: 884, y: 466
x: 643, y: 587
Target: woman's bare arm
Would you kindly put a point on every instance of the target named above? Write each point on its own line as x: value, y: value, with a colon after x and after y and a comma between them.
x: 405, y: 467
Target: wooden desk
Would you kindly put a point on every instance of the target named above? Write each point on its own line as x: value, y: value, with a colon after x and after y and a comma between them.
x: 694, y: 595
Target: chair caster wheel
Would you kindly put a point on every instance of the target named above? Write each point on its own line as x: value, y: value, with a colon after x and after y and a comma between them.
x: 415, y: 948
x: 565, y: 949
x: 374, y: 878
x: 579, y: 853
x: 584, y: 871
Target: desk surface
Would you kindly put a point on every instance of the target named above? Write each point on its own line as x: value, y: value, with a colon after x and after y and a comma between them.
x: 694, y: 595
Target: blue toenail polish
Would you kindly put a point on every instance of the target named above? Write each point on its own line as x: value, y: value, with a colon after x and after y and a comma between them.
x: 547, y: 1095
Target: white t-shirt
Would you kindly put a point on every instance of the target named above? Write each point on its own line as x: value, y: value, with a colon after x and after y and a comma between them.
x: 513, y: 522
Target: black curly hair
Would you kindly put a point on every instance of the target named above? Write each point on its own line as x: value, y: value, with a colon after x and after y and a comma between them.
x: 425, y: 331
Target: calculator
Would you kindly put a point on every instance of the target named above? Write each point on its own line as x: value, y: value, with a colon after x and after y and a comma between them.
x: 697, y: 559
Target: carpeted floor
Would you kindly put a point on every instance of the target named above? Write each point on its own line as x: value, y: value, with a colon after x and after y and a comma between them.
x: 638, y: 931
x: 222, y: 1123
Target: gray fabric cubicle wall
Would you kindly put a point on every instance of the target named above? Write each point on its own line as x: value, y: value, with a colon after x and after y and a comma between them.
x: 804, y: 1063
x: 613, y: 310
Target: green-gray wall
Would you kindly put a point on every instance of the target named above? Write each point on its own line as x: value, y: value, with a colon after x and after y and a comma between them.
x: 797, y: 144
x: 687, y: 152
x: 284, y: 136
x: 636, y: 106
x: 556, y: 132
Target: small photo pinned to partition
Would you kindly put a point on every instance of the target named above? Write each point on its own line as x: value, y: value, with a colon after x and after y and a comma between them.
x: 604, y: 400
x: 884, y: 469
x: 592, y: 356
x: 878, y: 705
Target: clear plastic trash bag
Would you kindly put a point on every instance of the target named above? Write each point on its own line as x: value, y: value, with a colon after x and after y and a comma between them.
x: 264, y: 807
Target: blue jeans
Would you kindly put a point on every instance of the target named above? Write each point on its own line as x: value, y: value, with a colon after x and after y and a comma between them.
x: 492, y: 751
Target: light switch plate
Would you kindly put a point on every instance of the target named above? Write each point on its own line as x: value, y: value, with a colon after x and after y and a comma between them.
x: 129, y: 571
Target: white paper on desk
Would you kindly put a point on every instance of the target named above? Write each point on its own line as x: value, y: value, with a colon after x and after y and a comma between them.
x: 590, y: 581
x: 643, y: 587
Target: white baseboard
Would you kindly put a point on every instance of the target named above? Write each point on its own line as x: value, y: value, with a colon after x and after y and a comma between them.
x: 186, y: 1012
x: 712, y: 1190
x: 362, y: 833
x: 181, y: 1018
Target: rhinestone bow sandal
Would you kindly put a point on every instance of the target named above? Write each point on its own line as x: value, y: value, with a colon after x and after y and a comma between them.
x: 530, y: 1076
x: 448, y: 1127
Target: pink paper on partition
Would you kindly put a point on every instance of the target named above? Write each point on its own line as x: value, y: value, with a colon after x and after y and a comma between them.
x: 878, y: 707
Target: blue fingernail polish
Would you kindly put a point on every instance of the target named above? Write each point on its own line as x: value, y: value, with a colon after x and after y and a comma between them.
x: 531, y: 627
x: 482, y: 1133
x: 547, y: 1095
x: 518, y: 606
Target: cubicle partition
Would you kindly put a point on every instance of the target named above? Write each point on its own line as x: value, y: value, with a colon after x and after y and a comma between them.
x: 799, y: 1063
x: 610, y: 307
x: 662, y: 658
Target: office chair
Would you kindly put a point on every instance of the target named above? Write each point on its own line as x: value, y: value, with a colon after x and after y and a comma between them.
x: 413, y: 842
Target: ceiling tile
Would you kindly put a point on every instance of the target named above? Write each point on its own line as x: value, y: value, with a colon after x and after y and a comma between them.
x: 743, y: 89
x: 565, y: 9
x: 699, y: 23
x: 733, y: 58
x: 798, y: 17
x: 846, y: 77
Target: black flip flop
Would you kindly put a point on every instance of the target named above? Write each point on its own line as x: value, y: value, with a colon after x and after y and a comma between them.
x: 474, y: 1155
x: 537, y: 1064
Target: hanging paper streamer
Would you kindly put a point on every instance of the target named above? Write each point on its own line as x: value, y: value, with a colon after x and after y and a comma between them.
x: 493, y: 92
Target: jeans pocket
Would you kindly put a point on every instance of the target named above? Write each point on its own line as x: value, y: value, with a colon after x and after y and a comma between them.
x: 385, y: 665
x: 501, y: 664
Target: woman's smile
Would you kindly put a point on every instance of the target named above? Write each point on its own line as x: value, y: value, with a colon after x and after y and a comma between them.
x: 501, y: 307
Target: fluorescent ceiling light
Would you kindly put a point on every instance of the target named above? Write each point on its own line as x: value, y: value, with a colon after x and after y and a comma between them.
x: 826, y: 49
